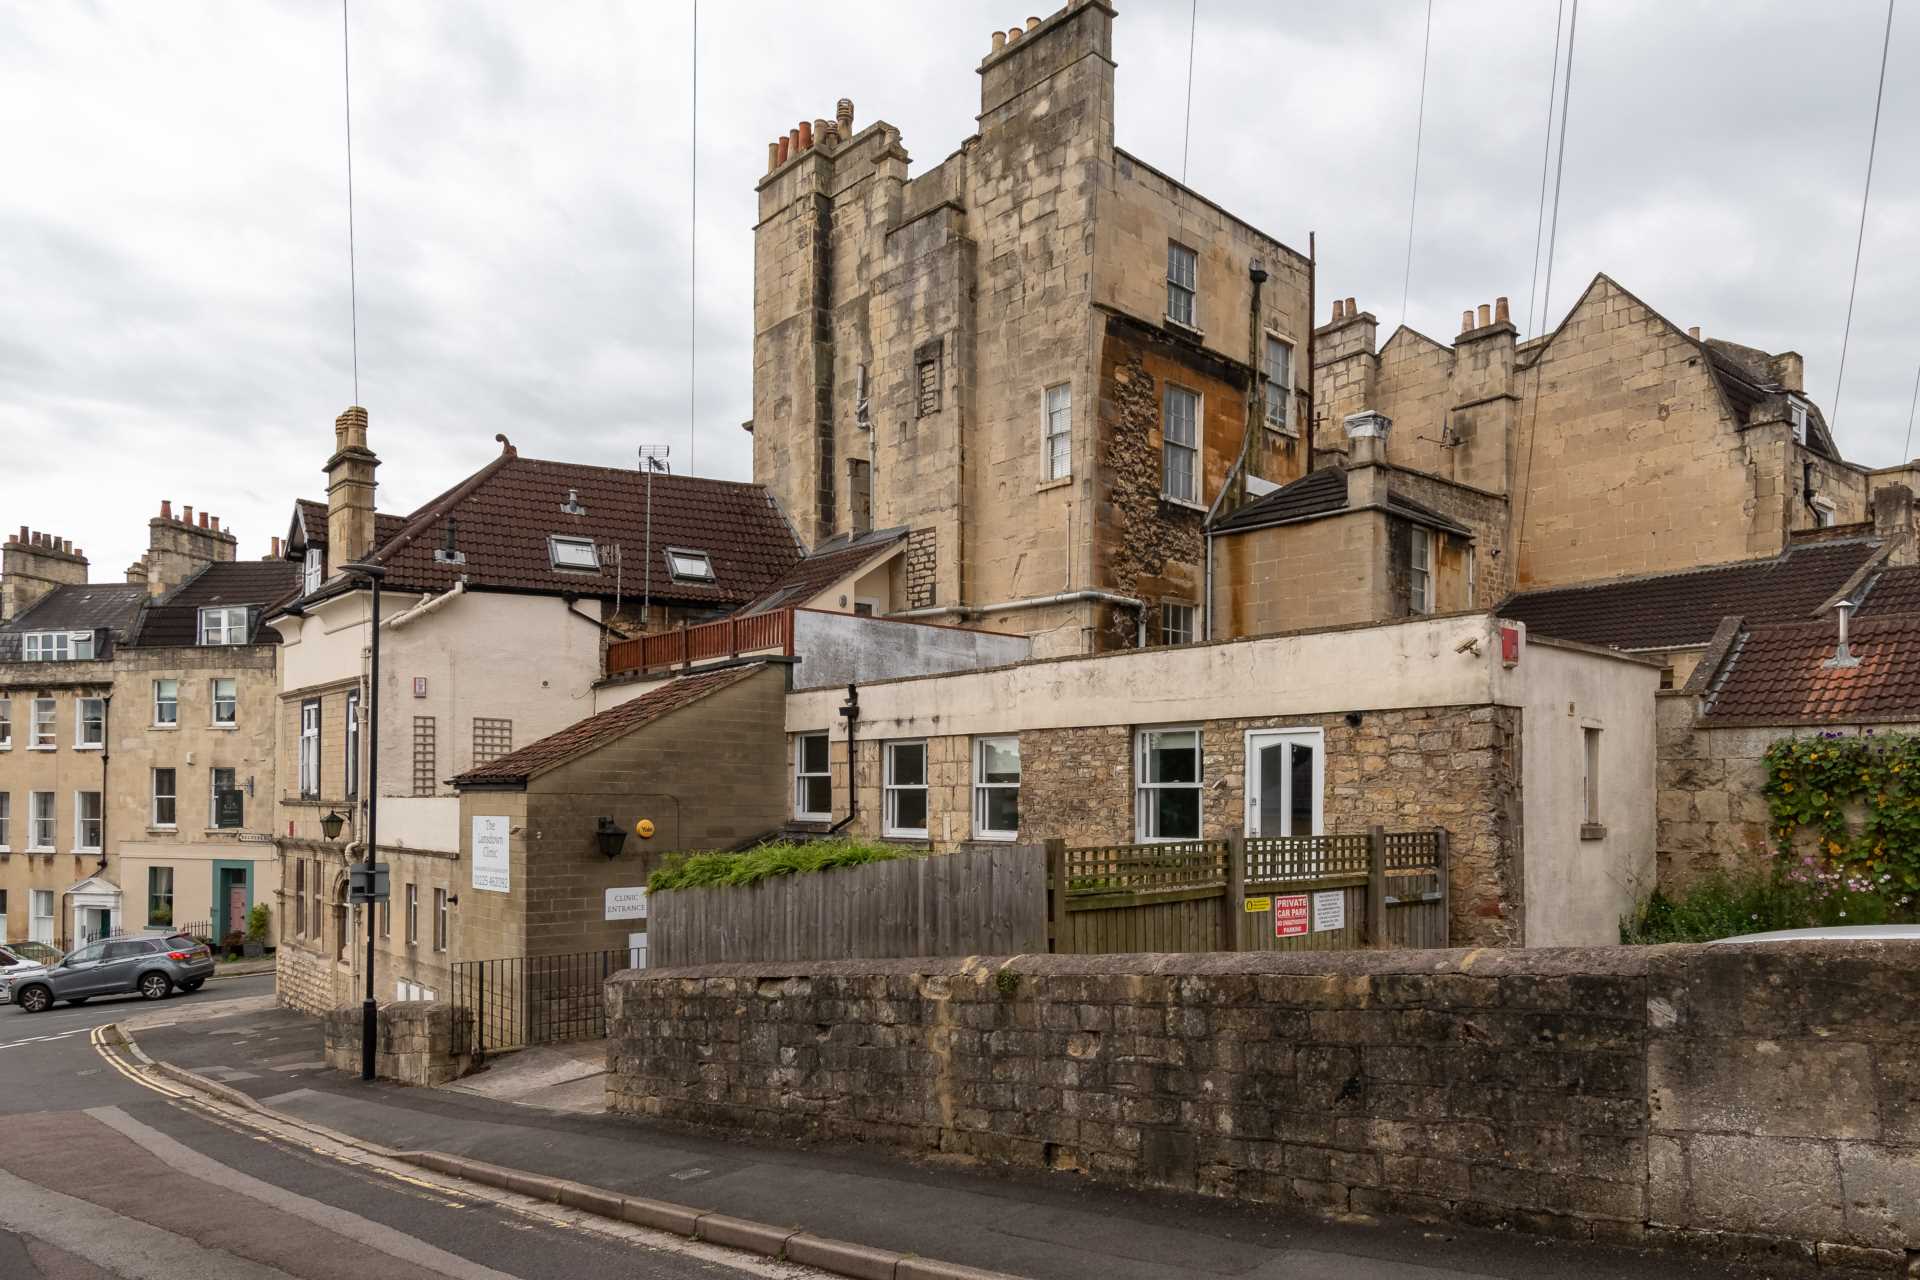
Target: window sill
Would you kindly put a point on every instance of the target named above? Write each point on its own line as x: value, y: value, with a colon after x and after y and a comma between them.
x: 1292, y: 433
x: 1171, y: 501
x: 163, y: 728
x: 1060, y: 482
x: 41, y: 850
x: 217, y: 725
x: 163, y: 831
x: 1181, y: 326
x: 89, y: 746
x: 1001, y: 837
x: 813, y: 817
x: 50, y: 748
x: 905, y: 836
x: 1593, y: 831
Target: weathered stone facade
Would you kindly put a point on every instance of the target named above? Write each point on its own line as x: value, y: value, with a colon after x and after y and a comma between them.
x: 419, y: 1042
x: 1606, y: 1094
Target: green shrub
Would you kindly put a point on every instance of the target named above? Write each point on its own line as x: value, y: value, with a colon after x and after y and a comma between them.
x: 1725, y: 907
x: 705, y: 870
x: 259, y: 922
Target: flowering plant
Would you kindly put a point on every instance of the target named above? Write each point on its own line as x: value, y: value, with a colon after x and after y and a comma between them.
x: 1845, y: 814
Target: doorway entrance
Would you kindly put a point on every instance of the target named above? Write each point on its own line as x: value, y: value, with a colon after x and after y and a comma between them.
x: 232, y: 898
x: 1286, y: 780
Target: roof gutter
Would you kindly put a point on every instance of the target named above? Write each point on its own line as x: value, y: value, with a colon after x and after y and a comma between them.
x: 1029, y: 602
x: 425, y: 607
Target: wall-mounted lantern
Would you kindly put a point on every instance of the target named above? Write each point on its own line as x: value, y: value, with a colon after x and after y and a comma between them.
x: 610, y: 837
x: 330, y: 825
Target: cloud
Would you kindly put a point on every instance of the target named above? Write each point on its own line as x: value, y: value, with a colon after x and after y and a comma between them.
x: 173, y: 235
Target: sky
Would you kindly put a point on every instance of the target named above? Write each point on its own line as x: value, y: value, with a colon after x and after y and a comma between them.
x: 174, y: 288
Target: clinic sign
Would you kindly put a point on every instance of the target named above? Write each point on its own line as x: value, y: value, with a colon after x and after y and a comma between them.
x: 491, y: 873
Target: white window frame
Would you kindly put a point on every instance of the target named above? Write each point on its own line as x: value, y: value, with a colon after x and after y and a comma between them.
x: 6, y: 724
x: 983, y: 789
x: 6, y: 823
x: 1183, y: 284
x: 579, y: 554
x: 1056, y: 432
x: 81, y: 720
x: 155, y: 795
x: 42, y: 819
x: 223, y: 624
x: 893, y: 790
x: 1590, y: 775
x: 1145, y: 789
x: 413, y: 915
x: 352, y: 736
x: 309, y: 749
x: 169, y: 703
x: 1190, y: 613
x: 675, y: 569
x: 1279, y: 390
x: 40, y: 922
x: 1797, y: 417
x: 81, y: 821
x: 313, y: 570
x: 57, y: 646
x: 1196, y: 484
x: 1420, y: 570
x: 440, y: 921
x: 801, y: 776
x: 231, y: 701
x: 43, y: 729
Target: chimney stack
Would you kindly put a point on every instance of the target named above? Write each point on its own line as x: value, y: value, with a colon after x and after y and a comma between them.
x: 1367, y: 438
x: 843, y: 116
x: 33, y: 564
x: 1693, y: 331
x: 350, y: 490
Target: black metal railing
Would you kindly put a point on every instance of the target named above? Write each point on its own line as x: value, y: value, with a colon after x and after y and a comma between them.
x: 529, y: 1000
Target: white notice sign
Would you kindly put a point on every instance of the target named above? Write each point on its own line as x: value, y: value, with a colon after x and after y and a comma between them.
x: 627, y: 904
x: 1329, y: 911
x: 490, y: 869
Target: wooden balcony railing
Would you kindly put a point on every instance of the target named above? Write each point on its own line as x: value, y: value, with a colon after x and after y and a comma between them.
x: 770, y: 632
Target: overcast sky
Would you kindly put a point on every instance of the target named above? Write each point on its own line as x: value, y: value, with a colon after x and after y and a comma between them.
x: 173, y: 229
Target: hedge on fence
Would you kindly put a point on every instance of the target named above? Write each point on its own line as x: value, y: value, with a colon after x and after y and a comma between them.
x: 704, y: 870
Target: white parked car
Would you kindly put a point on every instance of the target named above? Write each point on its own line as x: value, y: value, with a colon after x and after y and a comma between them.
x: 1834, y: 933
x: 12, y: 962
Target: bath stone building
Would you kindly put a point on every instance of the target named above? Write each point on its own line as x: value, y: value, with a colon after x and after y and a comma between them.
x: 1042, y: 358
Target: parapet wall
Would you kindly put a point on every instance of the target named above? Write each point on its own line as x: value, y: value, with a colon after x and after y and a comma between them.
x: 1761, y: 1102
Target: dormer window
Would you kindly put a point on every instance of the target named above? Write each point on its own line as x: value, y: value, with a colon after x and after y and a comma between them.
x: 574, y: 553
x: 57, y: 646
x: 1797, y: 414
x: 689, y: 566
x: 224, y: 625
x: 313, y: 570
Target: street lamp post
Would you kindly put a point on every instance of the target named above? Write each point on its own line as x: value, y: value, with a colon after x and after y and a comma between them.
x: 370, y: 1010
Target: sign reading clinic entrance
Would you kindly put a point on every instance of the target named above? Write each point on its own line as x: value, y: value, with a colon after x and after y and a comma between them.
x: 627, y: 904
x: 490, y: 868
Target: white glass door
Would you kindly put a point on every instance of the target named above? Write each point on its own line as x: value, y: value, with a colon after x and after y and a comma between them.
x: 1286, y: 779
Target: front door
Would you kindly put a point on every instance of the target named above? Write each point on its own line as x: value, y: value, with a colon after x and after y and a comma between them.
x: 1286, y: 778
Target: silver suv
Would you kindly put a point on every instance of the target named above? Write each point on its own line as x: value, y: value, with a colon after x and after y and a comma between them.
x: 151, y: 967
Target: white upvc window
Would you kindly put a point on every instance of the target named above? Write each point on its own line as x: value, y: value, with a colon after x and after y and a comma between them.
x: 226, y: 701
x: 165, y: 812
x: 1278, y: 368
x: 812, y: 779
x: 1180, y: 445
x: 906, y: 789
x: 6, y: 724
x: 1590, y: 775
x: 1176, y: 622
x: 89, y: 818
x: 223, y: 625
x: 1420, y: 571
x: 6, y: 822
x: 40, y: 918
x: 1167, y: 774
x: 45, y: 733
x: 1057, y: 432
x: 166, y: 703
x: 90, y: 724
x: 1183, y: 273
x: 310, y: 748
x: 996, y: 788
x: 313, y: 570
x: 40, y: 826
x: 57, y: 646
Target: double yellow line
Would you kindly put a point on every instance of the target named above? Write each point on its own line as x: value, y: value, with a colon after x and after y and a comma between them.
x: 101, y: 1046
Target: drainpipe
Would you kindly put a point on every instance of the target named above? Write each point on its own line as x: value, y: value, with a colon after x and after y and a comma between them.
x: 1313, y: 318
x: 1029, y: 602
x: 851, y: 710
x: 1236, y: 475
x: 106, y: 750
x: 426, y: 606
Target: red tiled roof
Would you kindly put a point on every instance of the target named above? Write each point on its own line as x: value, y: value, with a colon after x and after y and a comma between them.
x: 1778, y: 675
x: 597, y: 731
x: 505, y: 513
x: 1893, y: 591
x: 829, y: 563
x: 1682, y: 609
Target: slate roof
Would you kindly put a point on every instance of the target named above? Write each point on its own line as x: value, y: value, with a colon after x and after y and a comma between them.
x: 1892, y: 591
x: 90, y: 607
x: 1777, y: 675
x: 598, y: 730
x: 831, y: 561
x: 1324, y: 493
x: 504, y: 513
x: 1678, y: 610
x: 175, y: 618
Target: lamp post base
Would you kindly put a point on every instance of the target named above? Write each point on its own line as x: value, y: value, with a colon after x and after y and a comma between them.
x: 369, y: 1036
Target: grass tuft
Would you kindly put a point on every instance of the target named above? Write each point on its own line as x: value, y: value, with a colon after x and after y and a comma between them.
x: 732, y: 870
x: 1726, y: 907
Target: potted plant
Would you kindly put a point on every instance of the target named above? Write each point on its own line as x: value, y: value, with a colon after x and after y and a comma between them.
x: 259, y: 924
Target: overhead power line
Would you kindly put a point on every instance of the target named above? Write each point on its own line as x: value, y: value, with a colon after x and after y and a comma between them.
x: 693, y: 256
x: 1906, y: 450
x: 1186, y: 137
x: 1419, y: 130
x: 1559, y: 169
x: 1873, y: 142
x: 1546, y: 160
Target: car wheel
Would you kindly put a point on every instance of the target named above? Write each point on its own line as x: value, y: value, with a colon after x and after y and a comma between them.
x: 155, y: 986
x: 34, y: 999
x: 192, y: 985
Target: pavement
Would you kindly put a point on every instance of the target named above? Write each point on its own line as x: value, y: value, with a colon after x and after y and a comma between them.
x: 106, y: 1174
x: 1046, y: 1226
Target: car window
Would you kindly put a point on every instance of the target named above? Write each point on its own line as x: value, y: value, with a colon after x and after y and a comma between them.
x: 7, y: 957
x: 183, y: 942
x: 125, y: 950
x: 86, y: 955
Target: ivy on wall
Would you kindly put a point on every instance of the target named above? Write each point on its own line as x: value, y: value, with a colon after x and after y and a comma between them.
x: 1846, y: 812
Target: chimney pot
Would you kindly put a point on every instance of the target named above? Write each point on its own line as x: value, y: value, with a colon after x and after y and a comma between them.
x: 806, y: 134
x: 1486, y: 315
x: 793, y: 143
x: 1694, y: 333
x: 79, y: 554
x: 1500, y: 311
x: 1352, y: 309
x: 1466, y: 320
x: 819, y: 131
x: 1032, y: 23
x: 1013, y: 35
x: 25, y: 536
x: 203, y: 519
x: 786, y: 148
x: 187, y: 514
x: 1339, y: 311
x: 216, y: 523
x: 843, y: 114
x: 999, y: 40
x: 166, y: 508
x: 773, y: 156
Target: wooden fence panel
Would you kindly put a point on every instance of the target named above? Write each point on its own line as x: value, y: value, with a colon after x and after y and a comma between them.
x: 973, y: 902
